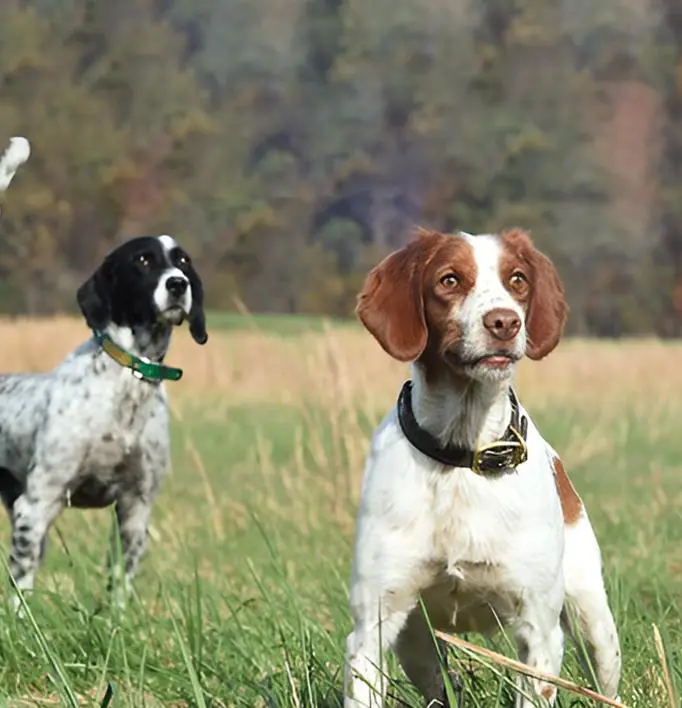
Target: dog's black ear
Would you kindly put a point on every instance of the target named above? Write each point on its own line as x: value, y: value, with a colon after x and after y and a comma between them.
x: 94, y: 300
x: 197, y: 318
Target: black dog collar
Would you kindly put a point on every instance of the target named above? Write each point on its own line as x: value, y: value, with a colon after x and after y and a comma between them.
x: 503, y: 455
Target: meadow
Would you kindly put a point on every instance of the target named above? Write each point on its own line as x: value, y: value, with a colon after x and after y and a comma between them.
x: 241, y: 599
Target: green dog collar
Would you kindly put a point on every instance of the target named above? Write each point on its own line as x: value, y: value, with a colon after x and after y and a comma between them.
x: 142, y: 368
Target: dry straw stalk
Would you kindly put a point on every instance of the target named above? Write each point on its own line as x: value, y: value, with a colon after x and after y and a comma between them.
x: 527, y: 671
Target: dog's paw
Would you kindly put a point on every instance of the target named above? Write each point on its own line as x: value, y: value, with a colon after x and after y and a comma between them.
x: 17, y: 606
x: 457, y: 688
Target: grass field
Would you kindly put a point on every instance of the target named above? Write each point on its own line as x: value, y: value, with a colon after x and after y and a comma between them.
x: 242, y: 597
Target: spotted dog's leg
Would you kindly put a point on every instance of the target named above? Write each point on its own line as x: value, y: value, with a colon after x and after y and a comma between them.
x: 132, y: 517
x: 33, y: 512
x: 134, y: 507
x: 133, y: 510
x: 10, y: 490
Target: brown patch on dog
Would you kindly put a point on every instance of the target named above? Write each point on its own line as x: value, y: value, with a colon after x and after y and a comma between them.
x: 543, y: 291
x: 548, y: 692
x: 516, y: 275
x: 571, y: 504
x: 408, y: 300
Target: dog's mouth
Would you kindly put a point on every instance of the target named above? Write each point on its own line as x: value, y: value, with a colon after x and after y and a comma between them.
x: 174, y: 315
x: 499, y: 360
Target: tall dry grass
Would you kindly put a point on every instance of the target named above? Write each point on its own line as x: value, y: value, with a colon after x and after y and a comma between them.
x: 344, y: 373
x: 347, y: 366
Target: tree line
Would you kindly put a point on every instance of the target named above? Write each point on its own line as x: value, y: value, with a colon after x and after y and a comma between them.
x: 289, y: 144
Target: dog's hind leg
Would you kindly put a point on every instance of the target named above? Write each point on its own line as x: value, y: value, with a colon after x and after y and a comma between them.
x: 586, y: 599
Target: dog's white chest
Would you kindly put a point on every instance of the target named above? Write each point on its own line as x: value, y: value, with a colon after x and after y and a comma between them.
x: 474, y: 522
x: 484, y: 544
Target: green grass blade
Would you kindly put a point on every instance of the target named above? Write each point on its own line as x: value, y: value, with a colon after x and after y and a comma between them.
x: 189, y: 665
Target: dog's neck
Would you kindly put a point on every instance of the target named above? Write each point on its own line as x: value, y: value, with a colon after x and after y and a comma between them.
x: 461, y: 411
x: 149, y: 341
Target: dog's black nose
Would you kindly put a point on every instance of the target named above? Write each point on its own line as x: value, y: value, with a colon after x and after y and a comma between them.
x: 176, y: 286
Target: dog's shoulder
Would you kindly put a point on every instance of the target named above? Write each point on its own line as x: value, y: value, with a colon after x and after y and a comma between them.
x: 391, y: 464
x: 546, y: 462
x: 80, y: 362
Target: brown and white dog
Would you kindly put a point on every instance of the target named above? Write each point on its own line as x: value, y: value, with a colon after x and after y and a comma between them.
x: 488, y: 536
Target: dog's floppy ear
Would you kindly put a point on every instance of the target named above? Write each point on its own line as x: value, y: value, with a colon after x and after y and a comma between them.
x: 197, y: 318
x: 391, y: 303
x: 94, y: 300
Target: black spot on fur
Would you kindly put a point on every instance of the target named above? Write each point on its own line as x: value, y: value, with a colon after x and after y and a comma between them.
x: 92, y: 494
x: 10, y: 488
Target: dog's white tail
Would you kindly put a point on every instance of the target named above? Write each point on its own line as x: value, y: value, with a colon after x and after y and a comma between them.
x: 16, y: 154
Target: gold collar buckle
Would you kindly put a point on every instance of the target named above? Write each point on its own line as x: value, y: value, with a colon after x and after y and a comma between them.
x: 503, y: 454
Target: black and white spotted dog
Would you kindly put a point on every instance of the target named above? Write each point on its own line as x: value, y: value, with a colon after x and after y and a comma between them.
x: 94, y: 430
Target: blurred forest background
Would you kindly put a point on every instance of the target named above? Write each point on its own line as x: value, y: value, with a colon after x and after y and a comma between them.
x: 289, y: 144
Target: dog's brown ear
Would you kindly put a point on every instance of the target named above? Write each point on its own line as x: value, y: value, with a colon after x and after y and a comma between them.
x: 391, y: 303
x: 547, y: 310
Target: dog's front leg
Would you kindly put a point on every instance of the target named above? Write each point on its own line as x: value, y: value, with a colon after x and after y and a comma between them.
x: 586, y: 598
x: 33, y: 513
x: 383, y: 594
x: 134, y: 505
x: 130, y: 531
x: 540, y: 643
x: 374, y: 633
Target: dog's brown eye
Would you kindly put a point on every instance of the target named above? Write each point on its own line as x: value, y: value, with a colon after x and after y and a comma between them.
x: 450, y: 280
x: 183, y: 259
x: 142, y: 260
x: 517, y: 279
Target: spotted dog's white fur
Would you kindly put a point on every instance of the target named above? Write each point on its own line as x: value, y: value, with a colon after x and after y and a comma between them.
x: 513, y: 550
x: 89, y: 433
